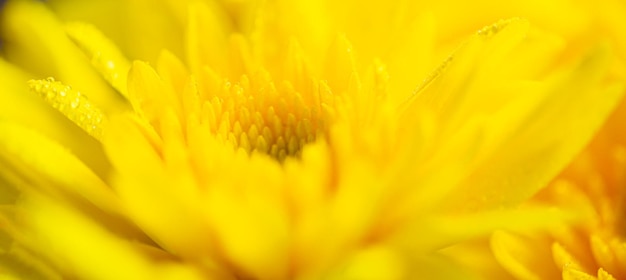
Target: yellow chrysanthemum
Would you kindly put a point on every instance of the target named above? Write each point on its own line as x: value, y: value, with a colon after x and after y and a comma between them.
x: 593, y: 248
x: 275, y: 149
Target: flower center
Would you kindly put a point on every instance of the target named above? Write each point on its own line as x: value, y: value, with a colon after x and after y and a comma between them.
x: 255, y: 115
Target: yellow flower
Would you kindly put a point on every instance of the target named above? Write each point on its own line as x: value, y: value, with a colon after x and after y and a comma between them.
x: 281, y: 139
x: 594, y: 247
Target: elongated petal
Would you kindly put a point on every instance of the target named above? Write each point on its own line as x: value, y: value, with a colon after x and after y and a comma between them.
x: 525, y: 123
x: 572, y: 109
x: 519, y: 259
x: 106, y: 58
x: 206, y: 37
x: 71, y: 247
x: 26, y: 108
x: 31, y: 155
x: 148, y: 93
x: 38, y: 42
x: 153, y: 23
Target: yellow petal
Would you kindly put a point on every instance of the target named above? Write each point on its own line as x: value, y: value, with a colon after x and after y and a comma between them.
x: 413, y: 57
x: 340, y: 65
x: 265, y: 253
x: 127, y: 22
x: 603, y: 275
x: 460, y: 103
x: 572, y: 19
x: 106, y: 58
x: 603, y: 253
x: 148, y: 93
x: 563, y: 258
x: 185, y: 97
x: 71, y: 246
x: 445, y: 230
x: 521, y: 260
x: 168, y: 214
x: 375, y: 263
x: 26, y: 108
x: 572, y: 108
x: 531, y: 120
x: 71, y: 103
x: 38, y: 159
x: 573, y: 274
x: 172, y: 71
x: 274, y: 24
x: 206, y: 37
x: 39, y: 44
x: 19, y: 263
x: 456, y: 92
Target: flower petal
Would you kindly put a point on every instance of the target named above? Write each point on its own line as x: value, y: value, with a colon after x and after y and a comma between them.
x: 127, y: 22
x: 38, y: 159
x: 206, y: 37
x: 72, y: 246
x: 547, y: 138
x: 36, y: 40
x: 513, y: 137
x: 524, y: 262
x: 26, y: 108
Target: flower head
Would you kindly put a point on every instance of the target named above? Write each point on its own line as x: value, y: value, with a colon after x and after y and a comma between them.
x: 269, y: 147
